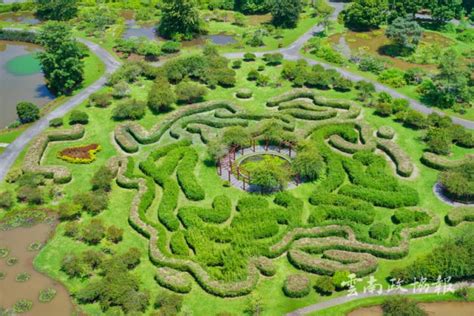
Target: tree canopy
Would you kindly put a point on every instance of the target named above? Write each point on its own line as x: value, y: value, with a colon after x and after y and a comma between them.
x: 61, y: 60
x: 58, y: 10
x: 286, y: 13
x: 180, y: 18
x: 366, y: 14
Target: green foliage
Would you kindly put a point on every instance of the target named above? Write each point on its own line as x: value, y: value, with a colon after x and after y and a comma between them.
x: 92, y: 202
x: 56, y: 122
x: 401, y: 306
x: 171, y: 47
x: 365, y: 14
x: 22, y: 306
x: 180, y: 18
x: 404, y: 33
x: 129, y: 109
x: 324, y: 285
x: 114, y: 234
x: 286, y: 13
x: 308, y: 162
x: 27, y: 112
x: 340, y: 279
x: 47, y: 295
x: 102, y: 179
x: 161, y: 96
x: 61, y: 60
x: 6, y: 200
x: 268, y: 173
x: 379, y: 231
x: 78, y: 117
x: 297, y: 285
x: 393, y: 77
x: 72, y: 266
x: 168, y: 303
x: 59, y: 10
x: 458, y: 183
x: 93, y: 232
x: 190, y: 92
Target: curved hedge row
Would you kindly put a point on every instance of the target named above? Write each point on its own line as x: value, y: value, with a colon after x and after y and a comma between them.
x: 129, y: 135
x: 173, y: 280
x: 32, y: 160
x: 348, y: 147
x: 402, y: 161
x: 461, y: 214
x: 186, y: 178
x: 441, y: 163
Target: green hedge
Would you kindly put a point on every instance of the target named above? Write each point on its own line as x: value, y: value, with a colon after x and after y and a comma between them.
x: 457, y: 215
x: 18, y: 35
x: 440, y: 163
x: 297, y: 285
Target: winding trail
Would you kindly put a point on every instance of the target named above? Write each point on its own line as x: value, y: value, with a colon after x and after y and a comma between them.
x: 293, y: 52
x: 346, y: 299
x: 8, y: 157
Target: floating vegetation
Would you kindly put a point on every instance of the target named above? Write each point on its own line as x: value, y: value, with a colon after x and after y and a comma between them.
x: 4, y: 252
x: 47, y: 295
x: 35, y: 246
x: 12, y: 261
x: 23, y: 306
x: 22, y: 277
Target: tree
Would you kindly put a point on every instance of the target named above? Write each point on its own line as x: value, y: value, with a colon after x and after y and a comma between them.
x: 102, y: 179
x: 114, y: 234
x: 286, y: 13
x: 93, y: 232
x: 180, y: 18
x: 27, y: 112
x: 402, y: 8
x: 161, y: 96
x: 450, y: 85
x: 72, y: 266
x: 365, y: 14
x: 61, y: 60
x: 59, y: 10
x: 366, y: 90
x: 6, y: 200
x: 190, y: 92
x: 401, y: 306
x: 252, y: 6
x: 444, y: 10
x: 405, y: 33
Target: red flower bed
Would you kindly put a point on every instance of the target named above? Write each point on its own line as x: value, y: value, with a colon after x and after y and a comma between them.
x: 82, y: 154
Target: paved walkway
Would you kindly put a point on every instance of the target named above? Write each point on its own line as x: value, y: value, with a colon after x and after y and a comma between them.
x: 346, y: 299
x: 8, y: 157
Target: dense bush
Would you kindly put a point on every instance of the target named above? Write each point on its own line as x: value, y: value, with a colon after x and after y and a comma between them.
x: 393, y: 77
x: 6, y: 200
x: 379, y: 231
x: 100, y: 99
x: 27, y: 112
x: 92, y: 202
x: 250, y: 57
x: 297, y: 285
x: 171, y: 47
x: 114, y: 234
x: 458, y: 183
x: 78, y: 117
x: 102, y: 179
x: 308, y: 162
x: 401, y: 306
x: 72, y: 266
x: 130, y: 109
x: 244, y: 94
x: 56, y: 122
x: 93, y: 232
x: 324, y: 285
x: 189, y: 92
x: 161, y: 96
x: 30, y: 195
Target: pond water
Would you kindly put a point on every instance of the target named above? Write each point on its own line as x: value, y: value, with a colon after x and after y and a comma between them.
x: 431, y: 309
x: 21, y: 79
x: 148, y: 30
x: 20, y: 17
x: 17, y: 242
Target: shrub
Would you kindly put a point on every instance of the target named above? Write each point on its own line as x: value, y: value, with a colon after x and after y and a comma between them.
x: 393, y: 77
x: 69, y: 211
x: 415, y: 120
x: 27, y: 112
x: 92, y: 258
x: 72, y: 266
x: 78, y: 117
x: 379, y: 231
x: 339, y: 279
x: 92, y: 202
x: 401, y: 306
x: 273, y: 59
x: 460, y: 214
x: 190, y: 92
x: 47, y: 295
x: 404, y: 216
x: 263, y: 80
x: 6, y: 200
x: 171, y: 47
x: 386, y: 132
x: 371, y: 64
x: 324, y: 285
x: 71, y: 229
x: 253, y: 75
x: 131, y: 258
x: 250, y: 57
x: 342, y: 85
x: 308, y: 163
x: 130, y: 109
x: 169, y: 303
x: 297, y: 285
x: 30, y: 195
x: 244, y: 93
x: 22, y: 306
x: 93, y: 232
x: 236, y: 64
x: 173, y: 280
x: 121, y: 90
x: 100, y: 99
x: 102, y: 179
x: 458, y: 183
x: 383, y: 109
x: 114, y: 234
x: 56, y: 122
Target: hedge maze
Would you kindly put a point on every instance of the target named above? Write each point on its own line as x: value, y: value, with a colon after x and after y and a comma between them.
x: 223, y: 241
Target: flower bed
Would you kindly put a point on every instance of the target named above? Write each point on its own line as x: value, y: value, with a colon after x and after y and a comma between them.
x: 80, y: 155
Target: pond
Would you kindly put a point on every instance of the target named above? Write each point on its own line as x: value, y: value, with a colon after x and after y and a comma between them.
x: 18, y: 242
x: 432, y: 309
x: 20, y: 17
x: 133, y: 29
x: 21, y: 79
